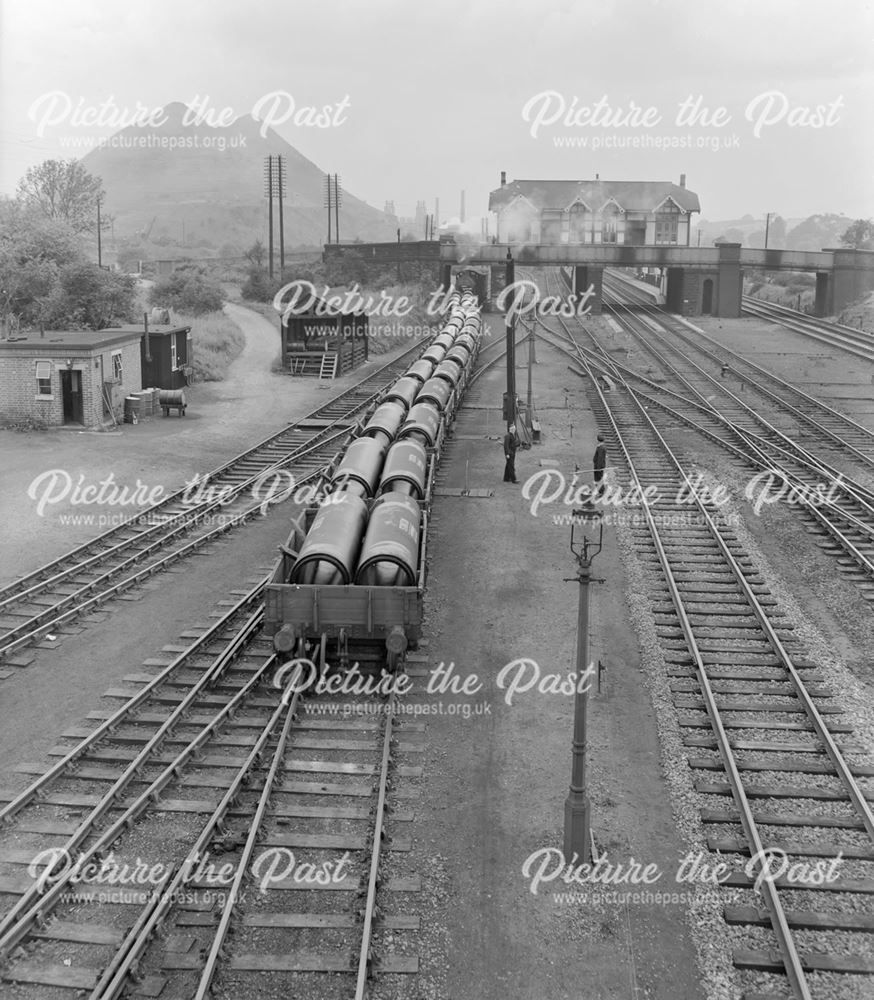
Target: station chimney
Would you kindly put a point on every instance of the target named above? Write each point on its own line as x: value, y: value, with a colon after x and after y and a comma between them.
x: 503, y: 178
x: 682, y: 180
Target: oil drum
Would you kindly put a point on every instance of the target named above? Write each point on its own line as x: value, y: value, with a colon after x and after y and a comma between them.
x: 404, y: 391
x: 330, y: 550
x: 390, y: 551
x: 421, y: 370
x: 448, y: 370
x: 437, y: 391
x: 405, y: 469
x: 387, y: 420
x: 422, y: 420
x: 361, y: 465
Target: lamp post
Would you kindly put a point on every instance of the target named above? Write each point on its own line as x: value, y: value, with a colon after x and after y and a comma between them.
x: 577, y: 808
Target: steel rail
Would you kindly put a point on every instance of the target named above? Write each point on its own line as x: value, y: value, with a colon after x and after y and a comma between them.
x: 365, y: 957
x: 40, y: 630
x: 831, y: 339
x: 112, y: 984
x: 662, y: 315
x: 779, y: 922
x: 758, y: 458
x: 210, y: 477
x: 106, y: 728
x: 859, y: 493
x: 35, y: 902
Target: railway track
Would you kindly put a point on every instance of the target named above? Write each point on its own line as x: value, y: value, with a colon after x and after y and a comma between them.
x: 859, y: 343
x: 292, y: 788
x: 773, y: 763
x: 838, y: 510
x: 48, y: 599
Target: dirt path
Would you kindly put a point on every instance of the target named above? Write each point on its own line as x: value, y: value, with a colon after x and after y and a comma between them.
x: 223, y: 419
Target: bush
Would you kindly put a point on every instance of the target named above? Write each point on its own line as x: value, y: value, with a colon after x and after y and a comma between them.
x: 215, y: 342
x: 188, y: 289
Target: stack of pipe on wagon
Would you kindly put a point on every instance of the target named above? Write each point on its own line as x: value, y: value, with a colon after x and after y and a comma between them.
x: 389, y: 462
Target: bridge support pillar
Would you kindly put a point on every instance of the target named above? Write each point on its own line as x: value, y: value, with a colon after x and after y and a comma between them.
x: 822, y: 303
x: 586, y: 278
x: 729, y: 286
x: 852, y: 278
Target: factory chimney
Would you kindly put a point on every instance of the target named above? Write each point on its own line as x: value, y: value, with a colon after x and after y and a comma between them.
x: 461, y: 213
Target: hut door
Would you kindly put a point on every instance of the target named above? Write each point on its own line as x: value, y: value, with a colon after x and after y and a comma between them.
x: 71, y: 393
x: 707, y: 297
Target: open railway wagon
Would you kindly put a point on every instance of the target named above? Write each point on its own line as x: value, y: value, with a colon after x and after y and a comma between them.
x: 349, y: 585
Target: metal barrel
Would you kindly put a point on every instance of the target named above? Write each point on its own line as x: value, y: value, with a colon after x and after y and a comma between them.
x: 422, y: 420
x: 435, y: 354
x: 390, y: 550
x: 405, y: 469
x: 448, y: 370
x: 404, y: 391
x: 436, y: 391
x: 421, y: 370
x: 387, y: 420
x: 361, y: 464
x: 460, y: 355
x: 330, y: 550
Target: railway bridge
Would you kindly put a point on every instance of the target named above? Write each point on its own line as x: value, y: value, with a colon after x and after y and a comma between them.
x: 700, y: 280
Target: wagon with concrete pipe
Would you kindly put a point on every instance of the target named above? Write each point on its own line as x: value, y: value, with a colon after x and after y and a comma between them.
x: 349, y: 584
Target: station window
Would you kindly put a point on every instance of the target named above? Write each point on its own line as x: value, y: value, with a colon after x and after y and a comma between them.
x: 610, y: 224
x: 667, y: 223
x: 117, y: 371
x: 43, y: 378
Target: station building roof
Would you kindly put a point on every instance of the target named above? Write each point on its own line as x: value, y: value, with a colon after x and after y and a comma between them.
x: 629, y: 196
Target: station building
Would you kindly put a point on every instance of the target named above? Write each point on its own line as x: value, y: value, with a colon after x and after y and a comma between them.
x: 624, y: 213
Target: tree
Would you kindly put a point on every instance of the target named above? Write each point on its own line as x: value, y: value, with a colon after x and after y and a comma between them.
x: 255, y: 254
x: 188, y: 289
x: 859, y: 235
x: 63, y: 190
x: 91, y: 297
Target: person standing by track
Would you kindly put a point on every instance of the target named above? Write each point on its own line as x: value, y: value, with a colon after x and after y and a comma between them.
x: 511, y: 446
x: 599, y: 463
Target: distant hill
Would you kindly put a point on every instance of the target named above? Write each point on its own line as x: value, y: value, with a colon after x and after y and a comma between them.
x: 217, y: 195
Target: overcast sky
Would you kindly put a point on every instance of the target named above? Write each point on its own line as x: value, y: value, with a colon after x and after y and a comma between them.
x: 430, y: 97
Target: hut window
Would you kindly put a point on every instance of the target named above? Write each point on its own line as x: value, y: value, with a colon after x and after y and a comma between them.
x: 172, y: 352
x: 117, y: 371
x: 44, y: 378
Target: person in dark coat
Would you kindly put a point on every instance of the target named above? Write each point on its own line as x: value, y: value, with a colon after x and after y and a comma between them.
x: 599, y: 462
x: 511, y: 445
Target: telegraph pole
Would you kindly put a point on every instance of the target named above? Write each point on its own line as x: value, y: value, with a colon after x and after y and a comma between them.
x: 99, y: 244
x: 328, y: 202
x: 337, y: 206
x: 280, y: 172
x: 269, y: 195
